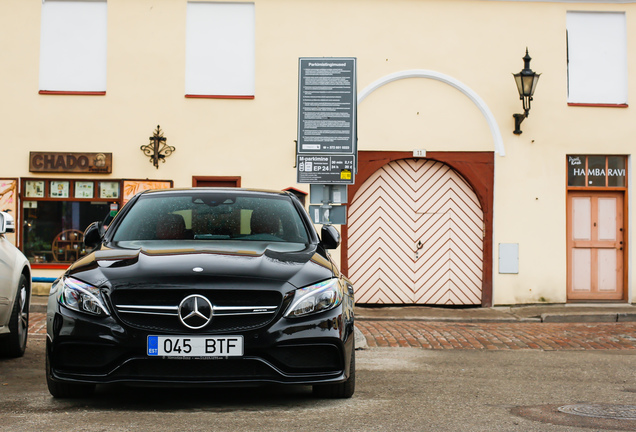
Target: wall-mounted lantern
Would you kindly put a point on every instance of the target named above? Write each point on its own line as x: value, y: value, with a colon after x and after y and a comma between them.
x: 157, y: 149
x: 526, y: 81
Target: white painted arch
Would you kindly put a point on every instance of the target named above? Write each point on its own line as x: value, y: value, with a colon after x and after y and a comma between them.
x: 467, y: 91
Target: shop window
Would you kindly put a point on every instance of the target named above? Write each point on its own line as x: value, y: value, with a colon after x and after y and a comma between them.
x: 53, y: 230
x: 220, y: 50
x: 8, y: 203
x: 597, y: 58
x: 597, y: 171
x: 73, y: 47
x: 56, y: 212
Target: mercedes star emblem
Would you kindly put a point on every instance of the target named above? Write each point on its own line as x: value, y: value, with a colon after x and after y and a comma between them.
x: 195, y: 311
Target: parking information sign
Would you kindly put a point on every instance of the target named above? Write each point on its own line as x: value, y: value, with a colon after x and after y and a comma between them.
x: 325, y: 169
x: 327, y: 106
x: 327, y: 102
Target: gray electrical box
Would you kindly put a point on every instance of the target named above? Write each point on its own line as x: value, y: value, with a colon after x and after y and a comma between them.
x: 335, y: 194
x: 333, y: 215
x: 508, y: 258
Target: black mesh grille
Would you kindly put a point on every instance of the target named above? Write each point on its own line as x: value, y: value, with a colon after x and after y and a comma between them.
x: 199, y: 370
x: 83, y: 355
x: 308, y: 358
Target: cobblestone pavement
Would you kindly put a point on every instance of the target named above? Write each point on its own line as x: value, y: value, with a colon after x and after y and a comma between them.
x: 499, y: 336
x: 37, y: 324
x: 480, y: 336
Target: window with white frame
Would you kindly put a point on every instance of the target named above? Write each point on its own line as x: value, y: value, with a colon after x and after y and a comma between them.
x: 220, y: 50
x: 73, y: 46
x: 597, y: 58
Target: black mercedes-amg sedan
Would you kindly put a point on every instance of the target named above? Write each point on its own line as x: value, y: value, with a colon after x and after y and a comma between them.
x: 203, y: 286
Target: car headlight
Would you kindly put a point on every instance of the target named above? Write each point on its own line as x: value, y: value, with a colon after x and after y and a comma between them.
x: 315, y: 298
x: 82, y: 297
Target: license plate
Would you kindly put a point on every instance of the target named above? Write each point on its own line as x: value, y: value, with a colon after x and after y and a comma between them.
x: 195, y: 346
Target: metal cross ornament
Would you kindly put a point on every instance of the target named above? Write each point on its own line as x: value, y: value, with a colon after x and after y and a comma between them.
x: 157, y: 149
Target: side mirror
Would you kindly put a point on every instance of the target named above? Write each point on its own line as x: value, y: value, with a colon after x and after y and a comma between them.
x: 3, y: 223
x: 330, y: 237
x: 93, y: 235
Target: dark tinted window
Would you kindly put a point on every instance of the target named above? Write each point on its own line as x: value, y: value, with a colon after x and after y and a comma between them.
x: 616, y: 171
x: 576, y: 170
x: 596, y: 171
x: 212, y: 216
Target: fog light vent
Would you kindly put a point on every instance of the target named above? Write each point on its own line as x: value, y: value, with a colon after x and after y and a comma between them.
x: 308, y: 358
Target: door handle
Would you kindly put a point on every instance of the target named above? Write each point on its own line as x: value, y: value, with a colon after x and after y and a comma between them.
x: 417, y: 249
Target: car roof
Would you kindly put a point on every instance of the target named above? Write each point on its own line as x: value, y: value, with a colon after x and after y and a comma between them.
x: 177, y: 191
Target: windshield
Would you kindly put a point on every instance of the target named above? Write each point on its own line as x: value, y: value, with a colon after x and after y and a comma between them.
x: 212, y: 216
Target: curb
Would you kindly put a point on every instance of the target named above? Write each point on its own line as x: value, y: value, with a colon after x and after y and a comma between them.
x: 588, y: 318
x: 37, y: 308
x: 452, y: 319
x: 547, y: 318
x: 360, y: 340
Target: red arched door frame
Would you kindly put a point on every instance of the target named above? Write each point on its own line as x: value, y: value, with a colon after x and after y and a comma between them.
x: 478, y: 168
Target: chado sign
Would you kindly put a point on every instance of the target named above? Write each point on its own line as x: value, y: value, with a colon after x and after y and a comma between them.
x: 71, y: 162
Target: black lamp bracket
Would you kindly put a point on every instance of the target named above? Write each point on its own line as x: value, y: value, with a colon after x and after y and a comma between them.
x: 518, y: 119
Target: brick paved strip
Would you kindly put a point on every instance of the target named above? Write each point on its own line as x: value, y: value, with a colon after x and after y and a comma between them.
x: 37, y: 324
x: 500, y: 336
x: 481, y: 336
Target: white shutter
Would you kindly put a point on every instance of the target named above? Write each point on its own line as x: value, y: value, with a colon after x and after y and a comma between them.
x: 73, y: 46
x: 597, y: 58
x: 220, y: 44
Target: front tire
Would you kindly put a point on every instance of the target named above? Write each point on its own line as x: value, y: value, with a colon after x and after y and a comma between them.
x: 343, y: 390
x: 19, y: 321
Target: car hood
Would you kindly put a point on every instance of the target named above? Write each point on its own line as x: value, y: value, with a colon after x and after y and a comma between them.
x: 129, y: 264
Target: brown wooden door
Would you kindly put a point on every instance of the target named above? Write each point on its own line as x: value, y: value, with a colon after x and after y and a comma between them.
x: 595, y: 245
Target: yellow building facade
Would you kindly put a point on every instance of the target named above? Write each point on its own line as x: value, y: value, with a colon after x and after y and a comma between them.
x: 449, y: 206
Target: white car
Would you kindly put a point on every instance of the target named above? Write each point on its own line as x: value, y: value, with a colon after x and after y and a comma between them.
x: 15, y: 293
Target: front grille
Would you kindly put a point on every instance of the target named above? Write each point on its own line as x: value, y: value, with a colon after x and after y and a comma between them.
x: 158, y: 310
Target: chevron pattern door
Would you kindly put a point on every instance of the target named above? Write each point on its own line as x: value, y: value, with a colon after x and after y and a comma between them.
x: 416, y: 236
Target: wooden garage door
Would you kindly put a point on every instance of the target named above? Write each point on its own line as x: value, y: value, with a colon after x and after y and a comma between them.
x: 416, y: 236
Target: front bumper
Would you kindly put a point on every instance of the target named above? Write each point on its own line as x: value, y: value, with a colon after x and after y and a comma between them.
x: 311, y: 350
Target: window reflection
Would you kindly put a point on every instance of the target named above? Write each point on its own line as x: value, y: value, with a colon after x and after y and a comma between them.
x: 616, y: 171
x: 596, y: 171
x: 53, y: 230
x: 576, y: 170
